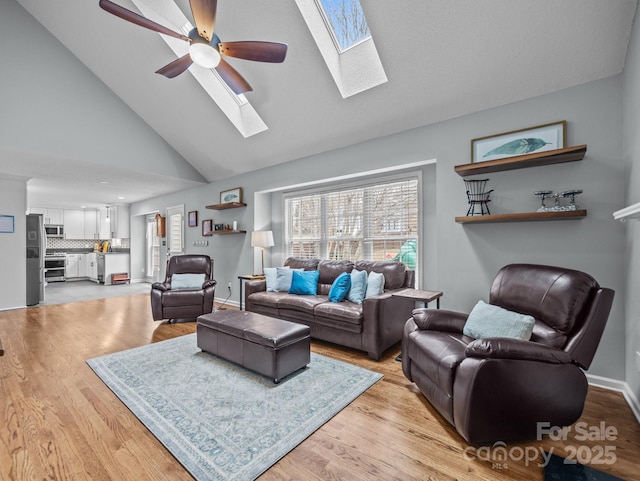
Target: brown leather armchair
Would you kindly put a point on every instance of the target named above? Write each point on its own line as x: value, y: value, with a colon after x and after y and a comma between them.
x: 184, y: 303
x: 499, y: 389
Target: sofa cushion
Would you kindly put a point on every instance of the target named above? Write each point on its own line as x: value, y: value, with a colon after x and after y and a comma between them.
x: 486, y: 320
x: 330, y: 270
x: 340, y: 288
x: 304, y: 283
x: 394, y: 272
x: 344, y: 311
x: 300, y: 303
x: 267, y: 299
x: 358, y: 286
x: 301, y: 263
x: 375, y: 284
x: 183, y: 297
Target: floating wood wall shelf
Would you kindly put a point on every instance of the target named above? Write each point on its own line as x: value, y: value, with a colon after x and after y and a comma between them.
x: 522, y: 217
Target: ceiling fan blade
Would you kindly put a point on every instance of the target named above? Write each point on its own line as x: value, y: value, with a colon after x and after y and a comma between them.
x: 233, y: 79
x: 133, y: 17
x: 255, y: 50
x: 176, y: 67
x: 204, y: 14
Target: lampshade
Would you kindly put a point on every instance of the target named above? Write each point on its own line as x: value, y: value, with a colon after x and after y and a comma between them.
x: 204, y: 55
x: 262, y: 238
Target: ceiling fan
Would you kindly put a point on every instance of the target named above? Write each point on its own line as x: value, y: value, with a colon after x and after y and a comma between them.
x: 206, y: 48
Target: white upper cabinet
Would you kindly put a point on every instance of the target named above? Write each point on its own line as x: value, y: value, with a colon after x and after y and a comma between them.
x: 50, y: 216
x: 74, y: 224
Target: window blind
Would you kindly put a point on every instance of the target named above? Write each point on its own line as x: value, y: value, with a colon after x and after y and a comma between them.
x: 373, y: 222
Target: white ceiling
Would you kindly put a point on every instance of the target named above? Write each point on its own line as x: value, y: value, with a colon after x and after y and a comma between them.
x: 443, y: 59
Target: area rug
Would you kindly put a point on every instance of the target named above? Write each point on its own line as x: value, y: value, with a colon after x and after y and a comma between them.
x: 561, y: 469
x: 220, y: 421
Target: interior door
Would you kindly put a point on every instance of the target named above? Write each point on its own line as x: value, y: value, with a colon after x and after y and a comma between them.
x: 175, y: 230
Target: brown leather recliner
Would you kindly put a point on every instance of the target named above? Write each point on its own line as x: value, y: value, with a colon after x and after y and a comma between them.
x: 184, y: 303
x: 499, y: 389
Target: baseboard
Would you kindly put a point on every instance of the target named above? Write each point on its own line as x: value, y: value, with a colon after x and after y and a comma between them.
x: 619, y: 386
x: 219, y: 301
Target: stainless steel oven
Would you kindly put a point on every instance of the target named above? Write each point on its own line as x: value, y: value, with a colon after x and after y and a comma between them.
x: 54, y: 267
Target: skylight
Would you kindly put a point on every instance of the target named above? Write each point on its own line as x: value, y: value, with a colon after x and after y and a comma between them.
x: 346, y: 20
x: 345, y: 43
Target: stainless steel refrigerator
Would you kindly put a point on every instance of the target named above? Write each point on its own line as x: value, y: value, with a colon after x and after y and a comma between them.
x: 36, y: 249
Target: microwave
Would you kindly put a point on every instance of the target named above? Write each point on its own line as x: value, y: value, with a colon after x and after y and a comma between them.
x: 54, y: 230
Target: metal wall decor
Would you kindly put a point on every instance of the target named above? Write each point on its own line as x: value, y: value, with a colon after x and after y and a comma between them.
x: 558, y: 206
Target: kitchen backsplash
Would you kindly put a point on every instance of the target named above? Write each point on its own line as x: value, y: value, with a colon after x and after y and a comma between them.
x: 57, y: 243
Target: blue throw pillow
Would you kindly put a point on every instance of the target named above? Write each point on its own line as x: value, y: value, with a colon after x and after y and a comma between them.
x: 283, y: 279
x: 487, y: 320
x: 340, y: 287
x: 358, y: 286
x: 271, y: 276
x: 304, y: 282
x: 375, y: 284
x: 187, y: 281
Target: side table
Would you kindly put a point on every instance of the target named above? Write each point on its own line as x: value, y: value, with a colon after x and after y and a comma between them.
x: 248, y: 277
x: 421, y: 297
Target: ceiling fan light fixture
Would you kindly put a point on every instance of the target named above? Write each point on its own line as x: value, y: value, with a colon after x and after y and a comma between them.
x: 204, y: 55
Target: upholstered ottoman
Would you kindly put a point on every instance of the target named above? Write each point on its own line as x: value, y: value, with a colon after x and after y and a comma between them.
x: 272, y: 347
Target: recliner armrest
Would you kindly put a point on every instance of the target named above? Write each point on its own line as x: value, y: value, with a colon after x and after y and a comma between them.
x: 161, y: 286
x: 209, y: 283
x: 439, y: 320
x: 505, y: 348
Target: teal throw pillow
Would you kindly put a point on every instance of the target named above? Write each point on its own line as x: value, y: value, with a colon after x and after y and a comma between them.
x: 283, y: 279
x: 340, y: 287
x: 187, y: 281
x: 375, y: 284
x: 358, y: 286
x: 304, y: 283
x: 487, y: 320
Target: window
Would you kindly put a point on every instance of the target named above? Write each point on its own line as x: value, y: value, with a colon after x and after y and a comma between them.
x: 374, y: 222
x: 348, y: 26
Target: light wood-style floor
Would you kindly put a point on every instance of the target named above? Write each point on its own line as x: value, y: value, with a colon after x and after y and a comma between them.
x: 58, y: 421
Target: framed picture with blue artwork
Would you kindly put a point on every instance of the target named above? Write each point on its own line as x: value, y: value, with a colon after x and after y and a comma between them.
x: 7, y: 224
x: 231, y: 196
x: 519, y: 142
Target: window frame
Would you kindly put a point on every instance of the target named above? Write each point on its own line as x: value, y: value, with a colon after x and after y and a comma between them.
x: 367, y: 237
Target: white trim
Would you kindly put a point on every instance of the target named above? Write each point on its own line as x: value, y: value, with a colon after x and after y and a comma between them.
x: 631, y: 212
x: 340, y: 178
x: 619, y: 386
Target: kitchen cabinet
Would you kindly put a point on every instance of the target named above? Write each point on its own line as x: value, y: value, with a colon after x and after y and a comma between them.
x: 92, y: 266
x: 73, y: 224
x: 50, y: 216
x: 114, y: 222
x: 81, y: 224
x: 91, y: 224
x: 72, y: 266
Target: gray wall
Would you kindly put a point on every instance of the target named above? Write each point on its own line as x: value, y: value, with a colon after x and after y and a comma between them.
x: 631, y: 152
x: 462, y: 260
x: 13, y: 246
x: 54, y: 106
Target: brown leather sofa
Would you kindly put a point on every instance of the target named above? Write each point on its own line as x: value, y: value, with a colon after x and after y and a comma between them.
x: 499, y: 389
x: 168, y: 303
x: 373, y: 326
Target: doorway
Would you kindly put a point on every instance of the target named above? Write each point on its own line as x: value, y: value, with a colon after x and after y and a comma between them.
x: 152, y: 249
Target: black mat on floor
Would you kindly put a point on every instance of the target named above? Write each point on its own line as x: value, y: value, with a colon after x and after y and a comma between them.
x: 560, y: 469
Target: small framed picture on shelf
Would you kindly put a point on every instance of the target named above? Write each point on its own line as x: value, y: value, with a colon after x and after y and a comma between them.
x: 230, y: 196
x: 519, y: 142
x: 207, y: 227
x: 193, y: 218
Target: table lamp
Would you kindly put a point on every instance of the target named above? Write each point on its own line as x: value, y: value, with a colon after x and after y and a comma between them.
x: 262, y: 239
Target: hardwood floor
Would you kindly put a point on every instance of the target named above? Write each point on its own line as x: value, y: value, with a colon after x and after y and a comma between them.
x: 58, y: 421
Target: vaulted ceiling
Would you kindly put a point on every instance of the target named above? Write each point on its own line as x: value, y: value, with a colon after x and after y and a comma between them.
x: 443, y: 59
